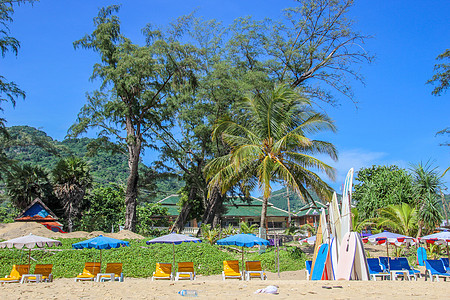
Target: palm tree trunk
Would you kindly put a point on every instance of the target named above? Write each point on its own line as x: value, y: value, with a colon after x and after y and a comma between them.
x: 178, y: 226
x: 264, y: 213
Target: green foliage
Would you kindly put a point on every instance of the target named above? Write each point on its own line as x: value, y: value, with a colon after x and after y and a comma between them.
x: 26, y: 183
x: 151, y: 215
x: 106, y: 209
x: 207, y: 258
x: 210, y: 234
x: 400, y: 218
x: 245, y: 228
x: 7, y: 211
x: 269, y: 142
x: 278, y: 199
x: 358, y: 223
x: 380, y: 186
x: 442, y: 75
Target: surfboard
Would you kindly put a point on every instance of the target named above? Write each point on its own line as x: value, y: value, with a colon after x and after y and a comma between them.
x: 319, y: 266
x: 346, y: 216
x: 318, y: 242
x: 334, y: 257
x: 360, y: 267
x: 421, y: 256
x: 346, y: 257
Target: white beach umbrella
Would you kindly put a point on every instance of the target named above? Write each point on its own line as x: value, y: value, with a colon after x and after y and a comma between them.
x: 29, y: 241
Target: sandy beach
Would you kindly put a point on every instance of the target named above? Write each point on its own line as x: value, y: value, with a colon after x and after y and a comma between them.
x: 292, y: 285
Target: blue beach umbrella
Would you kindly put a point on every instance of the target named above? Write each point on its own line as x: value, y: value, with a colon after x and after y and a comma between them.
x: 100, y: 242
x: 174, y: 239
x: 243, y: 240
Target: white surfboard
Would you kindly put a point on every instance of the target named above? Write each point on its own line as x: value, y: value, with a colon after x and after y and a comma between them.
x: 346, y: 215
x: 360, y: 267
x: 346, y: 257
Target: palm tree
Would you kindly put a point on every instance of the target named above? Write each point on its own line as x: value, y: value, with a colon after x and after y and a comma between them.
x: 244, y: 227
x: 268, y: 143
x: 358, y: 222
x: 71, y: 178
x: 400, y: 218
x: 26, y: 183
x: 427, y: 184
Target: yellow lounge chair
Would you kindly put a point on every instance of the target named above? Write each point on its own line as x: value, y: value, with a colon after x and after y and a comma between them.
x: 231, y: 269
x: 113, y: 272
x: 44, y: 272
x: 16, y: 273
x: 90, y: 271
x: 163, y: 271
x: 253, y: 270
x: 185, y: 271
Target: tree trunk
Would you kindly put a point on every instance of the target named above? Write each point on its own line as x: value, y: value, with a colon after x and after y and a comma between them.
x: 178, y: 226
x: 214, y: 206
x: 134, y: 150
x: 264, y: 213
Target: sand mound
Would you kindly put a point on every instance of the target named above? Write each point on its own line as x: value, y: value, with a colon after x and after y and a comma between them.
x: 17, y: 229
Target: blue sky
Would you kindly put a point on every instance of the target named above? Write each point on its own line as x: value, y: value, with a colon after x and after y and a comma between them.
x: 396, y: 118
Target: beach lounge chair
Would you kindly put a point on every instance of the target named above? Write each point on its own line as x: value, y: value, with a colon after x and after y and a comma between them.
x: 185, y: 271
x: 376, y: 270
x: 436, y: 269
x: 113, y: 272
x: 405, y: 265
x: 16, y: 274
x: 231, y: 269
x: 42, y: 273
x: 384, y: 262
x: 163, y: 271
x: 90, y: 271
x: 397, y: 270
x: 253, y: 269
x: 308, y: 264
x: 445, y: 262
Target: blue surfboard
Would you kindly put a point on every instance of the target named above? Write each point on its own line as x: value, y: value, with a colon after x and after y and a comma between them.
x: 421, y: 256
x: 319, y: 264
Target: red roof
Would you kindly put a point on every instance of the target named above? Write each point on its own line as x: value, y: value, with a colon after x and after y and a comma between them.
x: 36, y: 218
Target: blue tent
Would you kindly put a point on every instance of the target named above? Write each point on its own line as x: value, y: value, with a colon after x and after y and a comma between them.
x: 101, y: 242
x: 243, y: 240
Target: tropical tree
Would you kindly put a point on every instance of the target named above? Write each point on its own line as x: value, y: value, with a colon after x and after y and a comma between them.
x: 400, y: 218
x: 442, y: 75
x: 244, y: 227
x: 358, y: 223
x: 210, y: 234
x: 71, y: 177
x: 9, y: 91
x: 427, y: 185
x: 26, y: 183
x: 380, y: 186
x: 135, y: 93
x: 268, y: 142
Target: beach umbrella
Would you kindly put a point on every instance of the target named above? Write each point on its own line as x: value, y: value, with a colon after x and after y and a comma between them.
x: 310, y: 240
x: 174, y: 239
x: 387, y: 237
x: 100, y: 242
x: 243, y: 240
x: 438, y: 238
x: 29, y: 241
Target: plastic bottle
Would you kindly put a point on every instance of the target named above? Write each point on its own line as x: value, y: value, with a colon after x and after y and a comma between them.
x: 188, y: 293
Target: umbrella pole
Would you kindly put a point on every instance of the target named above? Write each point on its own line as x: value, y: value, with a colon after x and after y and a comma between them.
x: 29, y: 257
x: 387, y: 248
x: 173, y: 257
x: 242, y: 260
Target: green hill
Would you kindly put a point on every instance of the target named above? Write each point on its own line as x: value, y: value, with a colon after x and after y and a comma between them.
x: 105, y: 167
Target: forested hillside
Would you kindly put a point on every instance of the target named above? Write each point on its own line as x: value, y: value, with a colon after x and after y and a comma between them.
x: 279, y: 199
x: 105, y: 167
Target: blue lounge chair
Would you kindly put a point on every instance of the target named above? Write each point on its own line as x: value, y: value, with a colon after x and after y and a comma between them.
x: 375, y: 269
x: 445, y: 262
x: 308, y: 265
x: 435, y: 268
x: 384, y: 262
x: 397, y: 269
x: 405, y: 265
